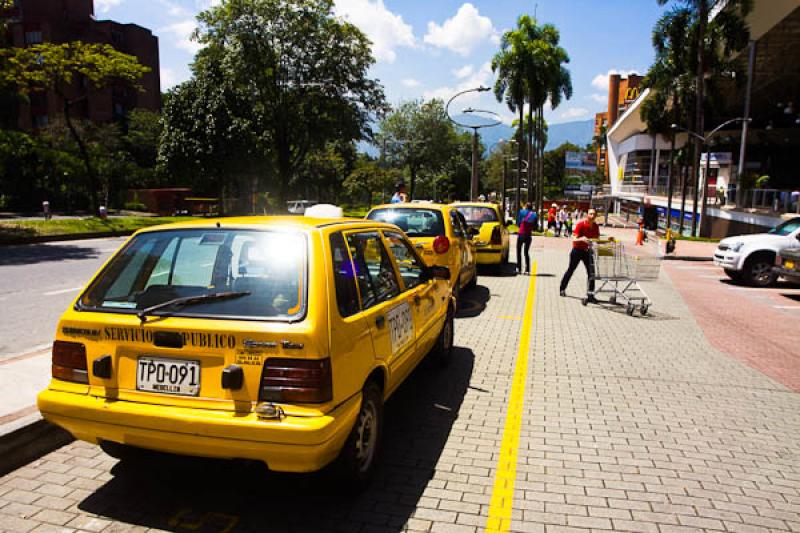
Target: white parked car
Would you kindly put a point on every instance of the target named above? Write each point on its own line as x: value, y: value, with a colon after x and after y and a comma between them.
x: 751, y: 258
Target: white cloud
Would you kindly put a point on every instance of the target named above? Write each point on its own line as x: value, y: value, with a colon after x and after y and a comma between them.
x: 385, y: 29
x: 463, y: 72
x: 600, y: 81
x: 169, y: 78
x: 411, y: 82
x: 103, y: 6
x: 181, y: 32
x: 463, y: 32
x: 481, y: 77
x: 599, y: 98
x: 574, y: 112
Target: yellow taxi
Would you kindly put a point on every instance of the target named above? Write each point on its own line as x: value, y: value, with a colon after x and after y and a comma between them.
x: 488, y: 230
x: 440, y: 233
x: 275, y: 339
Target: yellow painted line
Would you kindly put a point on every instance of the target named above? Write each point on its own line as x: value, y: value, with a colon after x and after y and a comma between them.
x: 503, y: 492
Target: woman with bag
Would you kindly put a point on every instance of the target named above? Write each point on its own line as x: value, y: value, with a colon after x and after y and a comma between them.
x: 526, y: 220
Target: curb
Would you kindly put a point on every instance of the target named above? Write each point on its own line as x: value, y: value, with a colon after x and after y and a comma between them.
x: 32, y: 438
x: 687, y: 258
x: 68, y: 237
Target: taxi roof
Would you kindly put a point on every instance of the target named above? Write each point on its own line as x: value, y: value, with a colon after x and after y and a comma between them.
x: 476, y: 204
x: 411, y: 205
x: 260, y: 222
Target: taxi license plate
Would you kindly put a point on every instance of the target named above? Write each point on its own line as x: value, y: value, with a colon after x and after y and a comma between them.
x: 168, y: 376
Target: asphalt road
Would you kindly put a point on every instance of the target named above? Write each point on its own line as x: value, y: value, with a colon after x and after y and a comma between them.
x: 39, y: 281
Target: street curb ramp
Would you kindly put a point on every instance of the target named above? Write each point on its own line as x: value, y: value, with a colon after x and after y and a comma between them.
x: 29, y: 442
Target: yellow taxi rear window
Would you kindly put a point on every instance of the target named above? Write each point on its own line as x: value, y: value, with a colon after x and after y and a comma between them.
x: 267, y: 270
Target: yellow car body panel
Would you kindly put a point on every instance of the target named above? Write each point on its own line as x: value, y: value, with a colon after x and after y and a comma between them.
x: 221, y: 422
x: 461, y: 257
x: 488, y: 253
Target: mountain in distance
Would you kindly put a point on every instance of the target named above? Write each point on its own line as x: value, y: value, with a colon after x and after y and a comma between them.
x: 578, y: 132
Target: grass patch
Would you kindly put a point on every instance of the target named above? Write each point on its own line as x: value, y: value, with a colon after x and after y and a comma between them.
x: 13, y: 231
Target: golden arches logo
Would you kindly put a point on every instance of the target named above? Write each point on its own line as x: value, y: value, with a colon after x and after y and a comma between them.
x: 632, y: 93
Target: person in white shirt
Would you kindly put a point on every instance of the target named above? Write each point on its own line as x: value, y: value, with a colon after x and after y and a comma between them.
x: 562, y: 222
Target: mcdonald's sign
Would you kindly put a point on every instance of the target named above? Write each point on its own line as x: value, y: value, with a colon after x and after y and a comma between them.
x: 632, y: 94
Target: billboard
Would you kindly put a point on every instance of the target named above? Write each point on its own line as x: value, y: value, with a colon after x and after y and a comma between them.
x: 582, y: 161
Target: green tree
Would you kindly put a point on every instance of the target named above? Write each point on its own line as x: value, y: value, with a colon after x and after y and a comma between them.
x: 57, y: 67
x: 418, y: 136
x: 303, y: 73
x: 207, y: 141
x: 370, y: 183
x: 554, y: 164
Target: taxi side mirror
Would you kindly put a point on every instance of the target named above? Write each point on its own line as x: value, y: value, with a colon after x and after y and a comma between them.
x: 439, y: 272
x: 473, y: 231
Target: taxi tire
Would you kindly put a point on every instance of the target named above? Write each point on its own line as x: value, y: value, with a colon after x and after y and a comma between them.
x: 349, y: 466
x: 443, y: 349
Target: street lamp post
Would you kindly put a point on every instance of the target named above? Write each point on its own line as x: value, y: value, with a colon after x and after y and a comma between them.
x: 705, y: 140
x: 474, y: 179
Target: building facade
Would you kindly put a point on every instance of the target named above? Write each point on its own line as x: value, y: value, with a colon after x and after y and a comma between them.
x: 59, y: 21
x: 622, y: 93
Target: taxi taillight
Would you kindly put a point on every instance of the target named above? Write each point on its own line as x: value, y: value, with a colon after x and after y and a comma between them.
x: 441, y: 244
x: 496, y: 238
x: 69, y: 361
x: 296, y: 381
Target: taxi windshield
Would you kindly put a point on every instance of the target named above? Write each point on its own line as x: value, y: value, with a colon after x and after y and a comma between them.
x: 265, y: 269
x: 477, y: 215
x: 415, y: 222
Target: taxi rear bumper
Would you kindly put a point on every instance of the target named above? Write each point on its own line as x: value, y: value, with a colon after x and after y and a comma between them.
x: 293, y: 444
x: 489, y: 254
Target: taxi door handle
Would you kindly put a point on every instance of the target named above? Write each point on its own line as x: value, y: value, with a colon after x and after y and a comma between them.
x: 380, y: 321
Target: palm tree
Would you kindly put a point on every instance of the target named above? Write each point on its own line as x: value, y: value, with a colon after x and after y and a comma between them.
x: 715, y: 41
x: 669, y: 77
x: 509, y: 65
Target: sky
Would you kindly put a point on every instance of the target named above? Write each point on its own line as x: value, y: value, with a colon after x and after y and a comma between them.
x: 434, y: 48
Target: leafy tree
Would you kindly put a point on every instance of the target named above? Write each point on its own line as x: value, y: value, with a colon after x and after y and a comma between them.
x: 302, y: 72
x: 324, y: 170
x: 207, y: 141
x: 554, y: 168
x: 71, y: 70
x: 418, y: 136
x: 370, y: 182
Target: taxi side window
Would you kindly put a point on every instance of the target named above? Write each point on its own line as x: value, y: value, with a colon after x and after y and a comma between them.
x: 374, y: 272
x: 411, y: 269
x: 344, y: 277
x: 455, y: 221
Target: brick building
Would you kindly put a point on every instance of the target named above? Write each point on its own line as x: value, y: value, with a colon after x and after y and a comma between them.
x: 622, y: 92
x: 58, y: 21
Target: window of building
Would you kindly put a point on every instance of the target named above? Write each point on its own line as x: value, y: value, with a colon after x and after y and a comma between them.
x: 637, y: 168
x: 33, y: 37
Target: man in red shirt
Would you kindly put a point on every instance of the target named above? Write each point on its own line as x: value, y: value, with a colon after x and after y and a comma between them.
x: 585, y: 230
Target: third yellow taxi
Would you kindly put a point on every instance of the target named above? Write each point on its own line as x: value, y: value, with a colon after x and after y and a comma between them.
x: 488, y: 230
x: 441, y: 235
x: 268, y: 338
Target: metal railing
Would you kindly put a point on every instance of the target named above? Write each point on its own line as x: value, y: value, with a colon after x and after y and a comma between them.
x: 774, y: 200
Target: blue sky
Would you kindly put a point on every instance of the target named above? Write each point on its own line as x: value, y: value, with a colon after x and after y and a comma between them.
x: 433, y: 48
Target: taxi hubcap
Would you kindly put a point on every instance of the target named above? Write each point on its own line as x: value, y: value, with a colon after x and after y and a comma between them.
x: 366, y: 436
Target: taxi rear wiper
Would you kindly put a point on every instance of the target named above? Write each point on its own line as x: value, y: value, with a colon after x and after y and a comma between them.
x: 190, y: 300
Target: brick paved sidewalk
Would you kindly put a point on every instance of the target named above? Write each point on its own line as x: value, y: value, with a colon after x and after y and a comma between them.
x: 629, y: 423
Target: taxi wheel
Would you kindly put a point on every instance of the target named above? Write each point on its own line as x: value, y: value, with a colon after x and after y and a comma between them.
x: 443, y: 349
x: 357, y: 458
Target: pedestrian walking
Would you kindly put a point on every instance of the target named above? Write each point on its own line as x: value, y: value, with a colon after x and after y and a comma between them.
x: 569, y: 223
x: 562, y: 222
x: 526, y: 220
x: 551, y: 218
x: 399, y: 195
x: 585, y: 230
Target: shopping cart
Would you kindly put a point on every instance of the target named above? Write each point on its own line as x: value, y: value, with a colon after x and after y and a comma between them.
x: 618, y: 274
